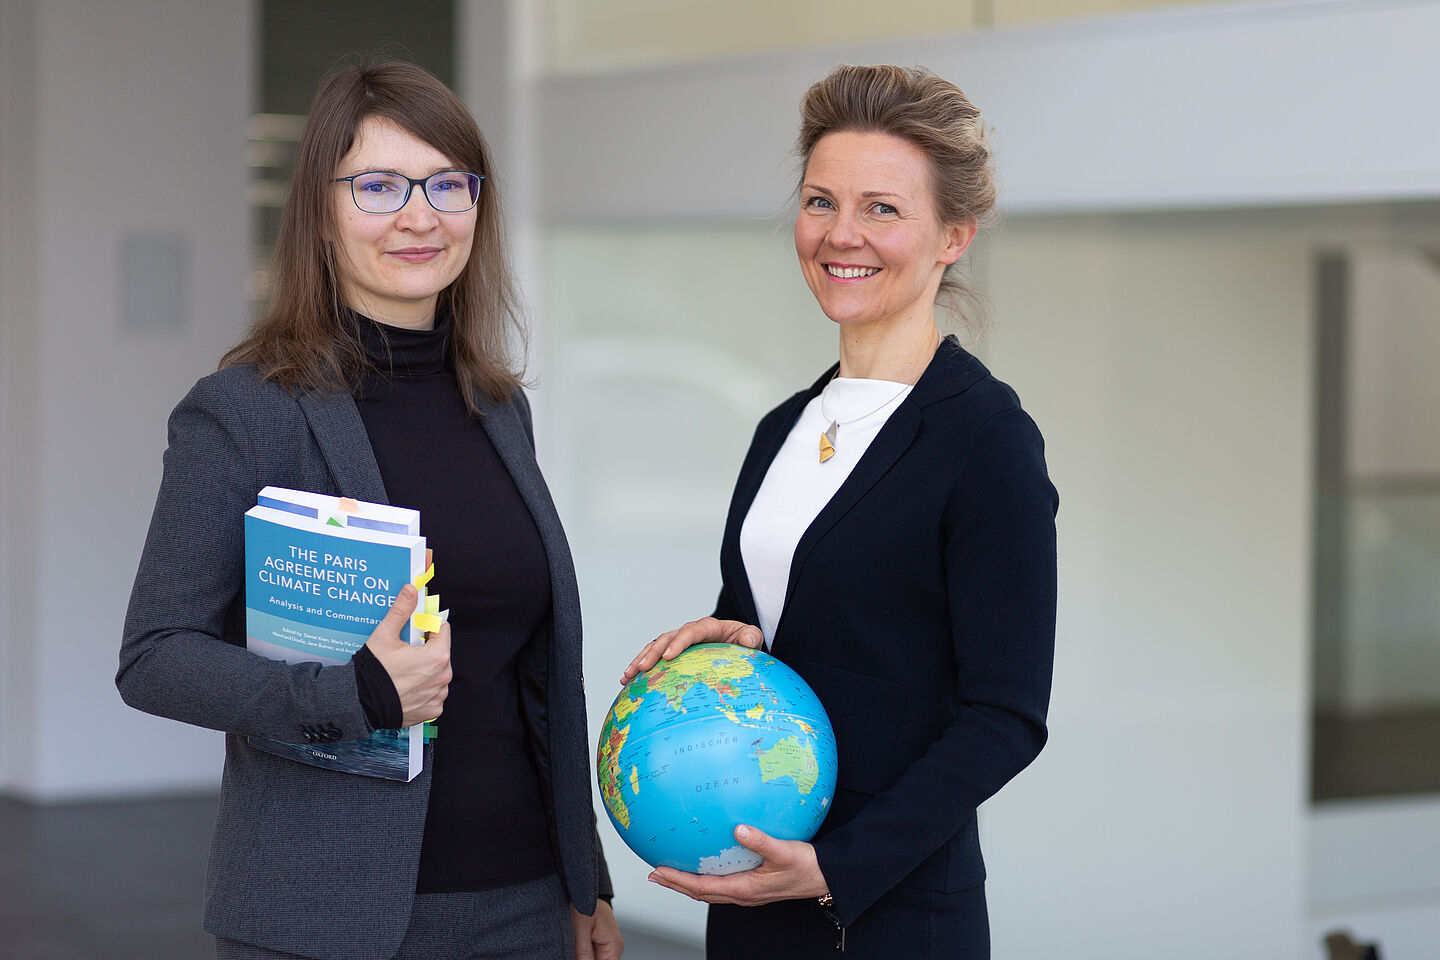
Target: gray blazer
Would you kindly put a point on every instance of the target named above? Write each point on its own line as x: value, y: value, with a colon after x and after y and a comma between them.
x: 305, y: 860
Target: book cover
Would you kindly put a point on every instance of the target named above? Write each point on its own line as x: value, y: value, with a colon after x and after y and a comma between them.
x: 320, y: 573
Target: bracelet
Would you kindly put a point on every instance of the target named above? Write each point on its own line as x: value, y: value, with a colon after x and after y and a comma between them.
x: 827, y: 904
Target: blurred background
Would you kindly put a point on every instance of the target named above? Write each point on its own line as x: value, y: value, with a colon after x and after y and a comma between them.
x: 1216, y: 287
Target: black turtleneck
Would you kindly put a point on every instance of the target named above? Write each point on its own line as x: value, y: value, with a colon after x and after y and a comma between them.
x: 486, y: 825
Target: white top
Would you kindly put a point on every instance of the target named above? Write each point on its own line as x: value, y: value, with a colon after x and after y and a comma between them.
x: 797, y: 486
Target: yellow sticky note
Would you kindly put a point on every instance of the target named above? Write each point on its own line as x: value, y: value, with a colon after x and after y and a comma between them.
x: 426, y: 622
x: 432, y: 604
x: 424, y: 578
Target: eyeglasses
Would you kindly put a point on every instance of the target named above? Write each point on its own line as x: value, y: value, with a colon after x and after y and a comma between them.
x: 381, y: 191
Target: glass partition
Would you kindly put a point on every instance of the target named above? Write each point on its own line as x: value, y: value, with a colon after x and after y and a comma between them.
x: 298, y: 43
x: 1377, y: 702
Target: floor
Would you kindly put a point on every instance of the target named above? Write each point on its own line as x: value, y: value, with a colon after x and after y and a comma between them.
x: 123, y: 881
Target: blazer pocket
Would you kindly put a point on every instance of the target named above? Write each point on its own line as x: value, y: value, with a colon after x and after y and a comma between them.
x: 866, y: 714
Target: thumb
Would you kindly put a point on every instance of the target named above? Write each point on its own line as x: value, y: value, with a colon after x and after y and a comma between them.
x: 400, y: 610
x: 755, y: 840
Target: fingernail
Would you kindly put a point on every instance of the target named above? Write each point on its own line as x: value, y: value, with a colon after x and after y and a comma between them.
x: 742, y: 831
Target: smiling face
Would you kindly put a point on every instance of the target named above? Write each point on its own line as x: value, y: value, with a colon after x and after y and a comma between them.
x: 870, y: 243
x: 394, y: 265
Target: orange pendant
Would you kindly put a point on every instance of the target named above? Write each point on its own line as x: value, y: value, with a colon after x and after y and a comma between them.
x: 827, y: 449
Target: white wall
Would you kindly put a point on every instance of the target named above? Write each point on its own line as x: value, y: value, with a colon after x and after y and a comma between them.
x: 133, y: 121
x: 18, y: 339
x: 582, y: 36
x: 1304, y: 102
x: 1168, y: 363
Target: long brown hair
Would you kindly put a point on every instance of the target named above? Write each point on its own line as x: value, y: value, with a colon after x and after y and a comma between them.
x: 928, y: 111
x: 299, y: 341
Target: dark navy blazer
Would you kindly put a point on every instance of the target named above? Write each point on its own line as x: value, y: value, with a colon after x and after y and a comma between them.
x: 921, y: 609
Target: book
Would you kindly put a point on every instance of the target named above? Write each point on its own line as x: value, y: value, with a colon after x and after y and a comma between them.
x: 320, y: 574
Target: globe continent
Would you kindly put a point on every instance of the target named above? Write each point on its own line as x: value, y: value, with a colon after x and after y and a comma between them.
x: 721, y: 735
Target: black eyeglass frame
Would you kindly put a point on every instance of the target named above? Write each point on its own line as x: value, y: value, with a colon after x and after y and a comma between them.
x: 410, y: 184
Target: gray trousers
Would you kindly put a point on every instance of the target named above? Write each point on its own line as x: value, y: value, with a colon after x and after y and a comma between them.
x: 528, y: 921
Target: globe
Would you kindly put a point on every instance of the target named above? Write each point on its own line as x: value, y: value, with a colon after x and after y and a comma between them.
x: 721, y: 735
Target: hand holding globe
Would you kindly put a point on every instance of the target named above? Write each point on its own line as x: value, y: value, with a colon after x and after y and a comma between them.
x: 789, y: 871
x: 719, y: 761
x: 671, y: 643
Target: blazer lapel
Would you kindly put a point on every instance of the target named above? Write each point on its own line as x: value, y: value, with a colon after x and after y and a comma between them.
x: 339, y: 431
x: 510, y: 437
x: 507, y: 434
x: 951, y: 371
x: 894, y: 438
x: 747, y: 485
x: 732, y: 563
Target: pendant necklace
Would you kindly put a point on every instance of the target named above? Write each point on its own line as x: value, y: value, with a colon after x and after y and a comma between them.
x: 827, y: 439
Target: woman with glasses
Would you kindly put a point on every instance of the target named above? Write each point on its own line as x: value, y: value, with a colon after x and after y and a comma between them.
x: 382, y: 370
x: 891, y: 538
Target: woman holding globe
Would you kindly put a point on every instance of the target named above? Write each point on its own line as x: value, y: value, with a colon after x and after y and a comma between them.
x: 891, y: 537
